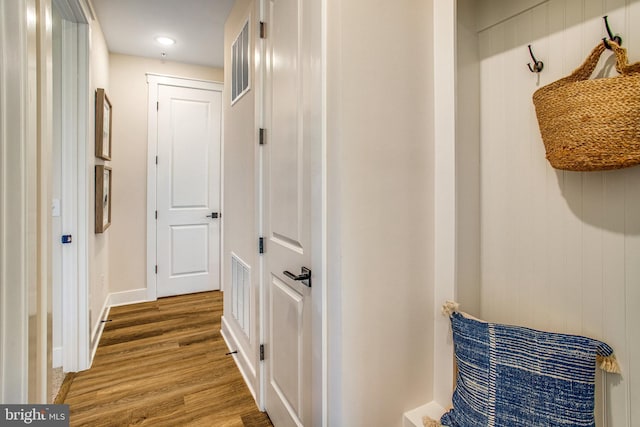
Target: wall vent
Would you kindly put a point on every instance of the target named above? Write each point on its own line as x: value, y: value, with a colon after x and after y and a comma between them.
x: 241, y: 293
x: 240, y: 64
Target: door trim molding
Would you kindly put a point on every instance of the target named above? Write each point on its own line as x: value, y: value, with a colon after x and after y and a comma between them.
x: 154, y: 81
x: 76, y: 344
x: 444, y: 22
x: 78, y: 11
x: 75, y: 220
x: 15, y: 143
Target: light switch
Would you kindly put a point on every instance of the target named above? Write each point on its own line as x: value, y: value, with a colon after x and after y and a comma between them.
x: 55, y: 207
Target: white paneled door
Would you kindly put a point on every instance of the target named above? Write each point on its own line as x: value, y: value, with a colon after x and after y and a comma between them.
x: 287, y: 225
x: 188, y: 190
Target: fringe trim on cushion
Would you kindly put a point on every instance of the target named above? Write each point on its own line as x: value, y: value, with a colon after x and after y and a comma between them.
x: 429, y: 422
x: 450, y: 307
x: 608, y: 364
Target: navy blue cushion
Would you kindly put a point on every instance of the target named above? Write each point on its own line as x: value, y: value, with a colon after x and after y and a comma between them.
x: 514, y: 376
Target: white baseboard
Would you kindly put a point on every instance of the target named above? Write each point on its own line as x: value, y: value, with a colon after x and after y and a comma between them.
x: 98, y: 328
x: 127, y: 297
x: 242, y: 361
x: 414, y: 417
x: 114, y: 299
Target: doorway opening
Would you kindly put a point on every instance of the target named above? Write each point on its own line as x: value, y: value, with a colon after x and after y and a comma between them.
x: 70, y: 211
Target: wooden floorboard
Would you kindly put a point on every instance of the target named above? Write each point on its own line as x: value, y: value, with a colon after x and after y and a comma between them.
x: 164, y: 363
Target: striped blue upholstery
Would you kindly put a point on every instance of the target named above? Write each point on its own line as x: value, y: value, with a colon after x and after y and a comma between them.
x: 513, y: 376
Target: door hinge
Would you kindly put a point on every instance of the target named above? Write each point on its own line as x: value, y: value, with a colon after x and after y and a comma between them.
x: 261, y: 352
x: 156, y: 269
x: 261, y: 136
x: 263, y: 30
x: 156, y: 214
x: 156, y: 160
x: 158, y: 106
x: 261, y: 245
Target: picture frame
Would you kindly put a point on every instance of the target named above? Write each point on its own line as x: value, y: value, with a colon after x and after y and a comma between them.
x: 103, y: 125
x: 103, y: 198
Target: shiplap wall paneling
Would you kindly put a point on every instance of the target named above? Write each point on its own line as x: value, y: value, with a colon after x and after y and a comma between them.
x: 559, y: 250
x: 631, y: 354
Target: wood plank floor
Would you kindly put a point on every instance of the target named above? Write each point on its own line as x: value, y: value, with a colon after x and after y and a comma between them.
x: 164, y: 363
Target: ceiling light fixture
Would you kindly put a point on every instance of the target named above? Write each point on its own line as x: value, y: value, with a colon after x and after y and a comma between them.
x: 166, y: 41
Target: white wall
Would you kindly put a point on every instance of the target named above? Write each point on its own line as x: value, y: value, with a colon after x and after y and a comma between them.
x: 98, y: 243
x: 240, y: 191
x: 381, y: 213
x: 128, y: 93
x: 468, y: 157
x: 558, y: 250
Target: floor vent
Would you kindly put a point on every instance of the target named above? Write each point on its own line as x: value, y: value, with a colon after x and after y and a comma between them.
x: 241, y: 292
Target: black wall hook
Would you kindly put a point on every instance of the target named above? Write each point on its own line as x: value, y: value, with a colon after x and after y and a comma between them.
x: 537, y: 65
x: 613, y: 38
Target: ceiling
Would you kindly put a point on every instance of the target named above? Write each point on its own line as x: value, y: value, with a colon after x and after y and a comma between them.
x: 131, y: 26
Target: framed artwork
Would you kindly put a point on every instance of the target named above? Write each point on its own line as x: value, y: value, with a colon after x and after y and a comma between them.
x: 103, y: 198
x: 103, y: 125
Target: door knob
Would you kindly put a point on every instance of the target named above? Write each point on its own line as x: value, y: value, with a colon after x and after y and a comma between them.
x: 304, y: 277
x: 213, y: 215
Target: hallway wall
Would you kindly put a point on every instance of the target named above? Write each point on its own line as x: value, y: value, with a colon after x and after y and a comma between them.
x: 98, y: 243
x: 380, y: 166
x: 240, y: 196
x: 128, y: 92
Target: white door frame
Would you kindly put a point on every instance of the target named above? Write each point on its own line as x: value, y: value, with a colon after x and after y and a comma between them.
x: 154, y: 81
x: 75, y: 214
x: 16, y: 166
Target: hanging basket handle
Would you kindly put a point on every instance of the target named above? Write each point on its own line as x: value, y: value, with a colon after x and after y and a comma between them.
x: 584, y: 71
x: 622, y: 62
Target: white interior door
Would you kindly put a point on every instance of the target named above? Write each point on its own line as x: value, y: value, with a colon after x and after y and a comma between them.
x: 188, y: 190
x: 287, y: 223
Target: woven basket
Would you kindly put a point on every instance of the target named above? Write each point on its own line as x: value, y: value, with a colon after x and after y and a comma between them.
x: 589, y: 125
